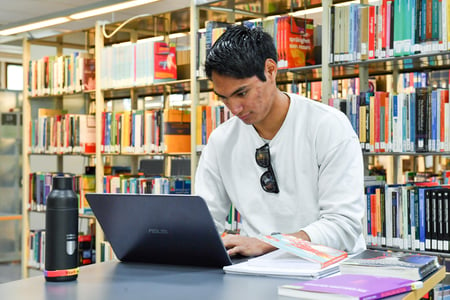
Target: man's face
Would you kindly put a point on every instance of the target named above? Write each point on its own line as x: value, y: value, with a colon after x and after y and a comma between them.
x: 250, y: 99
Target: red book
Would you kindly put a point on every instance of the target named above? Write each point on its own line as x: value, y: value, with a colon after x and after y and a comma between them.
x: 295, y: 42
x: 103, y: 131
x: 165, y: 67
x: 444, y: 101
x: 373, y: 216
x: 372, y: 36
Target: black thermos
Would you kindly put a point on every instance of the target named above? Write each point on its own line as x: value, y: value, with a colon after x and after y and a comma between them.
x: 61, y: 226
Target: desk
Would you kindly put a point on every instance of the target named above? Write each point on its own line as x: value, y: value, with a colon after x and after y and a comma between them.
x: 126, y: 281
x: 115, y: 280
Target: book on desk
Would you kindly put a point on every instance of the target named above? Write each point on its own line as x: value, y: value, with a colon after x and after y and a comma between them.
x: 410, y: 290
x: 349, y: 286
x: 294, y: 258
x: 412, y: 266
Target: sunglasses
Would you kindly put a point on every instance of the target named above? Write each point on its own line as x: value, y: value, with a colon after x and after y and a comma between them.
x: 268, y: 180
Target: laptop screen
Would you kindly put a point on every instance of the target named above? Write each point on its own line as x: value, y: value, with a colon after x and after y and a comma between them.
x: 163, y: 229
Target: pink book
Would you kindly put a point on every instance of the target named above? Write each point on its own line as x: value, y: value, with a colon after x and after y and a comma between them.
x: 320, y: 254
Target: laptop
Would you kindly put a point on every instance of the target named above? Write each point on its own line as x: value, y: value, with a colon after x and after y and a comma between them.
x: 162, y: 229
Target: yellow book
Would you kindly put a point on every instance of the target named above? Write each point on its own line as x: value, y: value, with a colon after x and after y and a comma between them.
x: 126, y: 132
x: 362, y: 126
x: 199, y: 124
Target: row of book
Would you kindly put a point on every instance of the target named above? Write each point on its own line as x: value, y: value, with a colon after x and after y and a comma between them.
x: 149, y: 131
x: 293, y: 38
x: 208, y: 118
x: 138, y: 64
x: 389, y: 28
x: 41, y: 185
x: 140, y: 184
x: 56, y: 132
x: 63, y: 74
x: 414, y: 121
x: 407, y: 122
x: 137, y: 132
x: 106, y: 252
x: 408, y: 216
x: 36, y: 257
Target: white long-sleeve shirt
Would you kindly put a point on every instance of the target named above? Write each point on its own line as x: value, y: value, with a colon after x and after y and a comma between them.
x: 317, y: 161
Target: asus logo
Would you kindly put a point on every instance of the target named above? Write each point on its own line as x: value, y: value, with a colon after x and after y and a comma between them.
x: 157, y: 231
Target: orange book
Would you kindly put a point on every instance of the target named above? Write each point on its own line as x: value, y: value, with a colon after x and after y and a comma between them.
x: 209, y: 121
x: 378, y: 226
x: 177, y: 130
x: 316, y: 90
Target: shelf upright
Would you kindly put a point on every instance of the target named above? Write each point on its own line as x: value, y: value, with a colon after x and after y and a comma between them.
x: 99, y: 107
x: 326, y: 38
x: 26, y: 118
x: 195, y: 88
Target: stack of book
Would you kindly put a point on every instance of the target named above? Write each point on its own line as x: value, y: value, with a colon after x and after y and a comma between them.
x: 371, y: 274
x: 294, y: 258
x: 394, y: 264
x: 349, y: 286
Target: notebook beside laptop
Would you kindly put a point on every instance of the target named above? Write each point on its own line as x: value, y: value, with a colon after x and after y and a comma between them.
x: 163, y: 229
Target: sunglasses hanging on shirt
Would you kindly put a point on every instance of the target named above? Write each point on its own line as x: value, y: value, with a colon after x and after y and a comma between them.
x: 267, y: 180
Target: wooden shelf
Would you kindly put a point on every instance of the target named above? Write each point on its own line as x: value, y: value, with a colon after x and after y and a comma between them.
x: 9, y: 217
x: 428, y: 284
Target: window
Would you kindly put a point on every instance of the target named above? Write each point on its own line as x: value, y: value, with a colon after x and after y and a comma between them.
x: 14, y: 77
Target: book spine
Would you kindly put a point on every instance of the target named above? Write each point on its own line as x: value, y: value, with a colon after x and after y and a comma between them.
x: 445, y: 211
x: 388, y: 293
x: 422, y: 224
x: 421, y: 119
x: 434, y: 220
x: 388, y: 216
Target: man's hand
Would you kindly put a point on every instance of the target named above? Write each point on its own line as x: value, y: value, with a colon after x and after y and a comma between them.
x: 246, y: 246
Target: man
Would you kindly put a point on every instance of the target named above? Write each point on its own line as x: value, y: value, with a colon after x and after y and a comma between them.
x: 287, y: 163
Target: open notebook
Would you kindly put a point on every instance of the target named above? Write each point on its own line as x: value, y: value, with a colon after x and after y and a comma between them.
x: 163, y: 229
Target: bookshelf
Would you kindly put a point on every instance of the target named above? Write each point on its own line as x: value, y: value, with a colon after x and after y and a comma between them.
x: 429, y: 59
x: 99, y: 98
x: 62, y: 108
x: 144, y: 94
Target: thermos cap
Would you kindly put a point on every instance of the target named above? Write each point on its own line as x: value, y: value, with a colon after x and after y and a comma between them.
x: 62, y: 183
